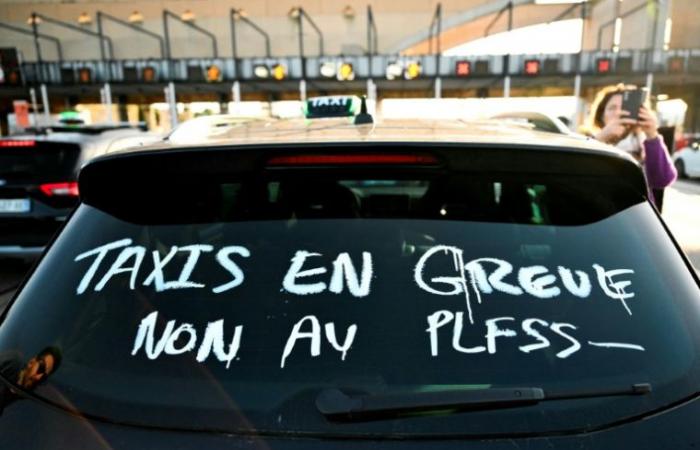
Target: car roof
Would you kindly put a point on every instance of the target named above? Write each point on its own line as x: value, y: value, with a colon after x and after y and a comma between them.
x: 485, y: 133
x: 77, y: 134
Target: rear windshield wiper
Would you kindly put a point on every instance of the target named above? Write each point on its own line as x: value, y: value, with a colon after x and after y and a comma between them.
x: 337, y: 405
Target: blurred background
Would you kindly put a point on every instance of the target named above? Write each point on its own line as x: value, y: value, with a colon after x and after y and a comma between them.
x: 158, y: 63
x: 164, y: 61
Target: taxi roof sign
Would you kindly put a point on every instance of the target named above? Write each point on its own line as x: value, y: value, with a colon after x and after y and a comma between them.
x: 331, y: 106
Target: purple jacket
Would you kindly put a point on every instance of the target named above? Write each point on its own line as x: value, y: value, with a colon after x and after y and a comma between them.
x: 658, y: 166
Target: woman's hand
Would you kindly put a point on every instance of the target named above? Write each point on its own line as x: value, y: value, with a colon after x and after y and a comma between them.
x: 648, y: 123
x: 615, y: 130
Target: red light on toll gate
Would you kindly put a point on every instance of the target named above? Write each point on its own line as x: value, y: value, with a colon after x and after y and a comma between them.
x: 463, y: 68
x: 85, y: 75
x: 676, y: 64
x: 12, y: 77
x: 149, y: 74
x: 604, y: 65
x: 532, y: 67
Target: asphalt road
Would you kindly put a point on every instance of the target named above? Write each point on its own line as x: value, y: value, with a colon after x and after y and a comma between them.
x: 681, y: 213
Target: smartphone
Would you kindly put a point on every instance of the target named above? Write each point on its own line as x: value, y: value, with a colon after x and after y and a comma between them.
x: 632, y: 99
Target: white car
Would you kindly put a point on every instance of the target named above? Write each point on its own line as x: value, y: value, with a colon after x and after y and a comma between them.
x: 687, y: 161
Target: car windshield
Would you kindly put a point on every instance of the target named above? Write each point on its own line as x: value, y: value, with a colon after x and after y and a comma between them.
x: 285, y: 286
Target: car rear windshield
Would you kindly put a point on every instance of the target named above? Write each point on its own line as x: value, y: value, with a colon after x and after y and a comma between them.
x: 38, y: 160
x: 232, y: 305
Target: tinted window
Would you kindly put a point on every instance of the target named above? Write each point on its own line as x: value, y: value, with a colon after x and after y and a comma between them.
x: 42, y: 161
x: 288, y: 285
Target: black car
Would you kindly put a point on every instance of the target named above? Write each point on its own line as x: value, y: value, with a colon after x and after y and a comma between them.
x: 325, y: 285
x: 38, y: 181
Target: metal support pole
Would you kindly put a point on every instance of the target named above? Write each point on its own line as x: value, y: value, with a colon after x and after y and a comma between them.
x: 438, y: 87
x: 438, y: 16
x: 617, y: 29
x: 369, y: 31
x: 302, y: 15
x: 510, y: 15
x: 650, y: 82
x: 236, y: 94
x: 167, y: 13
x: 234, y: 15
x: 498, y: 15
x: 35, y: 106
x: 166, y: 34
x: 654, y: 31
x: 369, y: 40
x: 70, y: 26
x: 371, y: 90
x: 234, y: 49
x: 172, y: 104
x: 35, y: 32
x: 301, y: 49
x: 36, y: 35
x: 101, y: 16
x: 262, y: 32
x: 108, y: 102
x: 506, y: 57
x: 107, y: 69
x: 577, y: 96
x: 101, y: 34
x: 300, y: 19
x: 302, y: 90
x: 577, y: 85
x: 37, y: 46
x: 45, y: 102
x: 372, y: 40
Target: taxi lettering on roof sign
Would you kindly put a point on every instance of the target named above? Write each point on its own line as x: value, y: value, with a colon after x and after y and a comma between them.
x: 332, y: 106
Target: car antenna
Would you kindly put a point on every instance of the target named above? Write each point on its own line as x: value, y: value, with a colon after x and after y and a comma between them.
x: 364, y: 117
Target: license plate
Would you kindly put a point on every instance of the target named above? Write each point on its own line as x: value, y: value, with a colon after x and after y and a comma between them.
x: 14, y: 205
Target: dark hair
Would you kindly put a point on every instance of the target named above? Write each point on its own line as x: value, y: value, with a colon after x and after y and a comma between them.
x: 55, y: 352
x: 601, y: 101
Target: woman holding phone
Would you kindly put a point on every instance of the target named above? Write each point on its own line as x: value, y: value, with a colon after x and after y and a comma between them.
x: 635, y: 132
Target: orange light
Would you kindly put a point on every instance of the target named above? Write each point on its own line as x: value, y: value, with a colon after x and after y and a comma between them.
x: 213, y: 73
